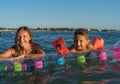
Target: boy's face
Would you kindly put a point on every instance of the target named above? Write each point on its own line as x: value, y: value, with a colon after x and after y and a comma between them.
x: 80, y: 42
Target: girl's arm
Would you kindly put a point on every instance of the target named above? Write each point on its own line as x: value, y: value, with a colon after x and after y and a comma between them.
x: 6, y: 54
x: 5, y: 59
x: 41, y: 54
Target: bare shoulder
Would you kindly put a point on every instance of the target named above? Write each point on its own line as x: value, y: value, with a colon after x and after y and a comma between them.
x: 35, y: 45
x: 9, y: 52
x: 72, y: 48
x: 12, y: 49
x: 90, y: 46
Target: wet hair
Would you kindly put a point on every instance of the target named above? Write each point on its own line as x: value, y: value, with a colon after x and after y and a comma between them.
x: 17, y: 46
x: 25, y: 28
x: 81, y: 31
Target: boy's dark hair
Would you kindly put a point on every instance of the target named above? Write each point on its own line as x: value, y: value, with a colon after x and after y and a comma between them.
x: 81, y: 31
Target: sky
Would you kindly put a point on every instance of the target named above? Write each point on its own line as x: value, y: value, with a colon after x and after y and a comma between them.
x: 101, y: 14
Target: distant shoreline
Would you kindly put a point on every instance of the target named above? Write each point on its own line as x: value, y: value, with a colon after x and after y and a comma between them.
x: 58, y: 29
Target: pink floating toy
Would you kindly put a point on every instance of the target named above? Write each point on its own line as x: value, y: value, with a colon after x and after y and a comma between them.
x: 103, y: 56
x: 9, y: 67
x: 116, y: 53
x: 38, y: 64
x: 24, y: 67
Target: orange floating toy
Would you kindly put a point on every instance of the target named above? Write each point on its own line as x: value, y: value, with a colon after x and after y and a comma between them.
x: 98, y: 43
x: 60, y: 46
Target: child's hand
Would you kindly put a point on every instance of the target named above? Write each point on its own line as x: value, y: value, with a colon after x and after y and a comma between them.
x: 21, y: 57
x: 18, y: 58
x: 78, y: 53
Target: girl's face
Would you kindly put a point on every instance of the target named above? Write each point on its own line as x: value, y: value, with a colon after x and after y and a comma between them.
x: 80, y: 42
x: 23, y: 38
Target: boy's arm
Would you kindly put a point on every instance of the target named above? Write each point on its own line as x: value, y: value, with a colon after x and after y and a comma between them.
x: 90, y: 46
x: 71, y: 48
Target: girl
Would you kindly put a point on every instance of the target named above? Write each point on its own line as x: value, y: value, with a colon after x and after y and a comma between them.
x: 24, y: 47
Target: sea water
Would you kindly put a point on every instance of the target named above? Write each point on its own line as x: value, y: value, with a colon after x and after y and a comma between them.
x: 109, y: 73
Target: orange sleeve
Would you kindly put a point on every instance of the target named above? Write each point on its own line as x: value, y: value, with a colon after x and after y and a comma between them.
x: 98, y: 43
x: 60, y: 46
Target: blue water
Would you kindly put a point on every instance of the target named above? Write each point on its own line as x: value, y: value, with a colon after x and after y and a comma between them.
x: 108, y: 75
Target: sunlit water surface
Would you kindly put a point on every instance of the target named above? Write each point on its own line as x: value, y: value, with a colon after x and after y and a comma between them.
x: 96, y: 73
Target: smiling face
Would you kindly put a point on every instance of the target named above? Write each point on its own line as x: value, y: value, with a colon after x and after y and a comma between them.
x: 23, y: 38
x: 80, y: 42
